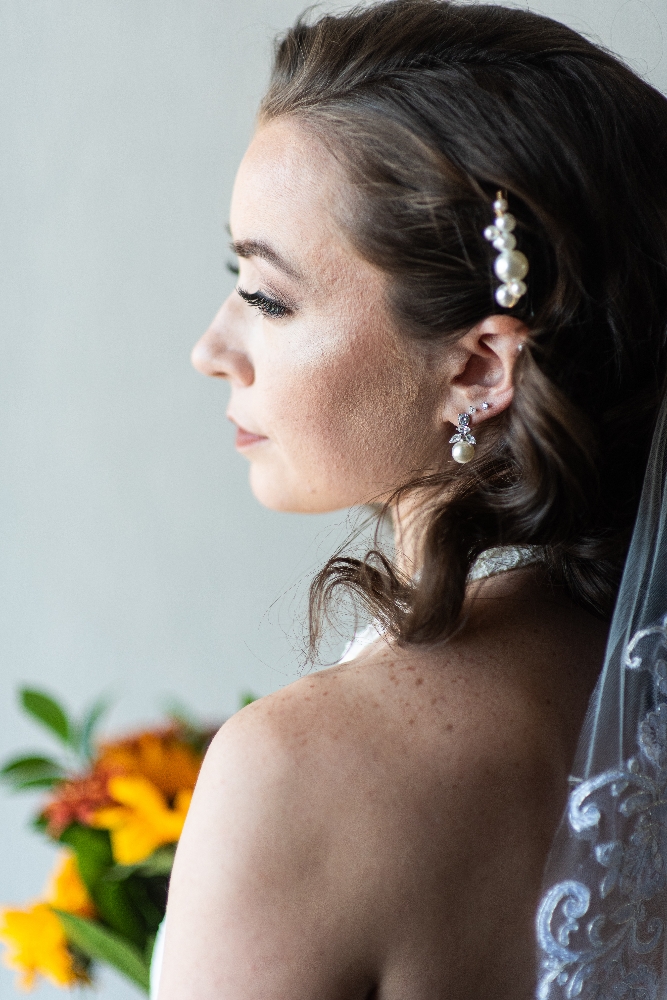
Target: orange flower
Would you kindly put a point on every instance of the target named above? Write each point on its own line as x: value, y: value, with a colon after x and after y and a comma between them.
x: 143, y: 821
x: 65, y: 889
x: 77, y: 801
x: 161, y: 757
x: 37, y: 946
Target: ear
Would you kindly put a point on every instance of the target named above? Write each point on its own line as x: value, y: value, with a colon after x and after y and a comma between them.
x: 483, y: 377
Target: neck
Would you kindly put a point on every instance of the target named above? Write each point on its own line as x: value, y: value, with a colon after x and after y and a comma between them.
x: 491, y: 562
x: 406, y: 522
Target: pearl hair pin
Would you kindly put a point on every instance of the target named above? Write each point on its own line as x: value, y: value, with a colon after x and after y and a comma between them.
x: 511, y: 266
x: 463, y: 441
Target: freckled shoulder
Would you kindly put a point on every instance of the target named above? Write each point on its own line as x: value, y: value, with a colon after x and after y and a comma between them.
x: 451, y: 714
x: 339, y: 824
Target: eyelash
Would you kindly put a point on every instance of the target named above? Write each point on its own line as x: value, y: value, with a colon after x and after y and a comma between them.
x: 266, y: 305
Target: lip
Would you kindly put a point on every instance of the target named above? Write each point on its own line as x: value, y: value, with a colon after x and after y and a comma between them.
x: 245, y: 438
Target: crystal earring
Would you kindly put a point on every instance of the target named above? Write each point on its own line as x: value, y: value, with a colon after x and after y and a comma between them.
x: 463, y: 441
x: 511, y: 266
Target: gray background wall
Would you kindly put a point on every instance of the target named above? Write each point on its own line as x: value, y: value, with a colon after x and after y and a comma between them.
x: 133, y: 558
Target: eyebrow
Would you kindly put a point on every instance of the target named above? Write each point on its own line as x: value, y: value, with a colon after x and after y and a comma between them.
x: 258, y: 248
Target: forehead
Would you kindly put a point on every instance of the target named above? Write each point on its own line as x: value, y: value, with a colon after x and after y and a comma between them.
x: 286, y: 192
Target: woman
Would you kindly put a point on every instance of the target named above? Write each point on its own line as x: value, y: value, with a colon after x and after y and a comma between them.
x: 451, y: 229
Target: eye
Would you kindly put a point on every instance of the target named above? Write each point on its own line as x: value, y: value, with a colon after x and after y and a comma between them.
x: 266, y: 305
x: 232, y: 267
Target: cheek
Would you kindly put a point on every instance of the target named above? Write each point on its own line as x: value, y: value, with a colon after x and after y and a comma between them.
x: 348, y: 424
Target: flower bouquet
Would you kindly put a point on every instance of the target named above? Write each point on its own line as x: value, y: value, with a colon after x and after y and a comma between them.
x: 116, y: 808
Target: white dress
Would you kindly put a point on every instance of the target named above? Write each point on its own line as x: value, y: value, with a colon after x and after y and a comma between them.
x: 489, y: 563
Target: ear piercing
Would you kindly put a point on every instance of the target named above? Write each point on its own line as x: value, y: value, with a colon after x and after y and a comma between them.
x: 463, y: 441
x: 511, y: 266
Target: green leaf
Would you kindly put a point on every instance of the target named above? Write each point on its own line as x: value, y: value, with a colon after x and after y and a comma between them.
x: 247, y: 698
x: 33, y: 783
x: 117, y: 908
x: 31, y: 762
x: 150, y: 945
x: 180, y: 713
x: 93, y: 852
x: 151, y: 905
x: 41, y: 824
x: 103, y: 945
x: 31, y: 772
x: 160, y: 862
x: 47, y: 711
x: 89, y: 724
x: 95, y: 860
x: 120, y: 872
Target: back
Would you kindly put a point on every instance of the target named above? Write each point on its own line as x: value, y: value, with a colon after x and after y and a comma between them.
x: 379, y: 829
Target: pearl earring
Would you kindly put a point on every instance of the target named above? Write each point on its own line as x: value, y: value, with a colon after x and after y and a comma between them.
x: 463, y: 441
x: 511, y: 266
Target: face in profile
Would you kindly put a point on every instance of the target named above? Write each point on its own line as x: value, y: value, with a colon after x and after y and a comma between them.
x: 333, y: 407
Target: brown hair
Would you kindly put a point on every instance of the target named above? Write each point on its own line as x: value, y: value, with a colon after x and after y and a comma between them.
x: 431, y: 106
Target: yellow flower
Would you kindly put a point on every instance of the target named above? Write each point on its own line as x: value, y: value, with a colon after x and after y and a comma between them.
x: 143, y: 821
x: 36, y: 945
x: 65, y: 889
x: 162, y: 757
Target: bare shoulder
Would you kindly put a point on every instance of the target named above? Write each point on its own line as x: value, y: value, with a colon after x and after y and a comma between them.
x: 492, y: 703
x: 492, y: 714
x: 339, y: 824
x: 265, y: 899
x: 401, y: 746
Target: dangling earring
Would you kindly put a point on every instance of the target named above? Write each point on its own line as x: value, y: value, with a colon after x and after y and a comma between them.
x: 463, y: 441
x: 511, y: 266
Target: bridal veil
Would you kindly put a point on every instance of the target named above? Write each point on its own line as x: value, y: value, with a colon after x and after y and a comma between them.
x: 602, y: 920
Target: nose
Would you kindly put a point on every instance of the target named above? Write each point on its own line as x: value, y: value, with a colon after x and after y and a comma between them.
x: 219, y: 352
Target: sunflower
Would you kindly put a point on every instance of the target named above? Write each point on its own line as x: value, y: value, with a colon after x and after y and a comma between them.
x: 142, y: 820
x: 162, y: 757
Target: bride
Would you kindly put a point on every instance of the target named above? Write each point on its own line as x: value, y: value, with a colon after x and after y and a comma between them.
x: 451, y: 226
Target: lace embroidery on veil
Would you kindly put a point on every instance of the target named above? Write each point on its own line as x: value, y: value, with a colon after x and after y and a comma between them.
x: 620, y: 816
x: 601, y: 922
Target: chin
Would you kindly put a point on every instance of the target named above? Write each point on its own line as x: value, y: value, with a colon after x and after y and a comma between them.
x: 277, y: 493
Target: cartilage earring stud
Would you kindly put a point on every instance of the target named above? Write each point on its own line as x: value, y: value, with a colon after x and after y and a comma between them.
x: 486, y: 406
x: 463, y: 442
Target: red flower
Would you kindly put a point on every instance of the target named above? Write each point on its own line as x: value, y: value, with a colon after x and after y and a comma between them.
x: 77, y: 801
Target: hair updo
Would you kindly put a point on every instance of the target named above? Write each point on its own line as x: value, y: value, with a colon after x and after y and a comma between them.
x: 431, y: 107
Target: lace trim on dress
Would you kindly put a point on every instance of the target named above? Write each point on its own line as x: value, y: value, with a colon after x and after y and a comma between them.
x: 491, y: 562
x: 503, y: 558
